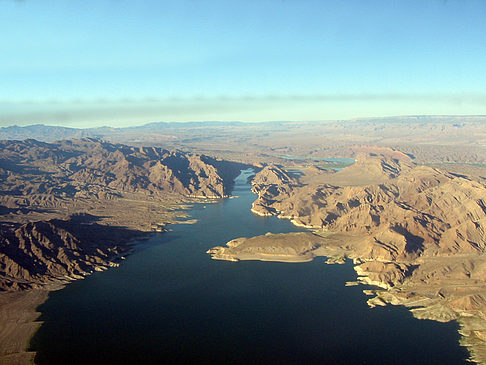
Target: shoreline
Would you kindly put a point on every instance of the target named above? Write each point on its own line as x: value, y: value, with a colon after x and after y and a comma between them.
x: 18, y: 323
x: 18, y: 309
x: 472, y: 325
x: 260, y: 257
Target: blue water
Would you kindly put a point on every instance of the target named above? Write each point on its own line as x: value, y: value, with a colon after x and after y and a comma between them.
x: 340, y: 160
x: 327, y: 159
x: 170, y: 303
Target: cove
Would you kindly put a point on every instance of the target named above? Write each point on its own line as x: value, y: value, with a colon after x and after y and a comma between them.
x: 170, y: 303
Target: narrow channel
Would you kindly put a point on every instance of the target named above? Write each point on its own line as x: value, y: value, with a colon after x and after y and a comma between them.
x: 170, y: 303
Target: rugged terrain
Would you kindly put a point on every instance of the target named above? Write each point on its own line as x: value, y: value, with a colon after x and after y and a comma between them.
x: 415, y: 231
x: 56, y: 251
x: 66, y: 207
x: 72, y: 207
x: 412, y: 221
x: 126, y: 186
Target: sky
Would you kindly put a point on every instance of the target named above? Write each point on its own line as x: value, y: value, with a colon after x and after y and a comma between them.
x: 87, y: 63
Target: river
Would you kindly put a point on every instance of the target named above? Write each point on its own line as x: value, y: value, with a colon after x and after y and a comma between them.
x: 170, y: 303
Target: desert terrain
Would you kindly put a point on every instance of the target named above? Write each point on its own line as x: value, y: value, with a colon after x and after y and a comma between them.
x: 403, y: 197
x: 73, y: 207
x: 414, y: 231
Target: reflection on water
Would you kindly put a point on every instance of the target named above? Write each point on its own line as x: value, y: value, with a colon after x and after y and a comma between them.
x: 170, y: 303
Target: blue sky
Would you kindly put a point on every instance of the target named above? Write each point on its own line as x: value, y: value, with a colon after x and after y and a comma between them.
x: 116, y: 62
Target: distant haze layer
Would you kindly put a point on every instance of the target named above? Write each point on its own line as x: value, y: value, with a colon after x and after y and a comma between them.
x: 91, y: 63
x: 127, y: 112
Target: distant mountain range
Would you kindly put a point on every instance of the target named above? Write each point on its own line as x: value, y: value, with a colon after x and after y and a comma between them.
x: 49, y: 133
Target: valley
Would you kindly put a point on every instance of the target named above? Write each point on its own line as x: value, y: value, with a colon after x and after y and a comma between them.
x: 409, y: 213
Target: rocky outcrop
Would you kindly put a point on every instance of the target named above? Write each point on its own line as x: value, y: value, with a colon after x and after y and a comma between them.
x: 54, y: 252
x: 417, y: 211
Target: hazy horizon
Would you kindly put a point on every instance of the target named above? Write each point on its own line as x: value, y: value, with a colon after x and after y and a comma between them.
x: 112, y: 63
x: 136, y: 124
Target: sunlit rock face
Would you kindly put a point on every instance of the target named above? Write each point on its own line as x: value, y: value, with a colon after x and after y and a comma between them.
x: 414, y: 231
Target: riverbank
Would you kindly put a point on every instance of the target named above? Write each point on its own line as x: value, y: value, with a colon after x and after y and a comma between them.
x: 18, y: 309
x: 453, y: 295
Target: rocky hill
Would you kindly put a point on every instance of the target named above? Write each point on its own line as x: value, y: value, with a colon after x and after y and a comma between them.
x: 90, y: 166
x: 415, y: 231
x: 415, y: 210
x: 127, y: 190
x: 58, y: 251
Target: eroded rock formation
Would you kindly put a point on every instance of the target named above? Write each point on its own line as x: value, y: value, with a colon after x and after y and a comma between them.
x: 58, y: 251
x: 415, y: 231
x: 90, y: 167
x: 61, y: 180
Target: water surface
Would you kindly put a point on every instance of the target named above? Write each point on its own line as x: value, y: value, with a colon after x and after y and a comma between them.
x: 170, y: 303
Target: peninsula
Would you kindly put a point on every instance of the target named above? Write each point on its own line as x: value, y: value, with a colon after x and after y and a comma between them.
x: 414, y: 232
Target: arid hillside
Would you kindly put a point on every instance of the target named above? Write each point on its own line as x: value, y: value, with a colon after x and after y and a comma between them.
x: 58, y: 251
x: 70, y: 207
x: 71, y: 168
x: 415, y: 231
x: 73, y: 207
x: 408, y: 209
x: 41, y: 181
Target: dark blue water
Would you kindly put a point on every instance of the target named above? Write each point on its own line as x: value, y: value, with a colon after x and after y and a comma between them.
x: 170, y: 303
